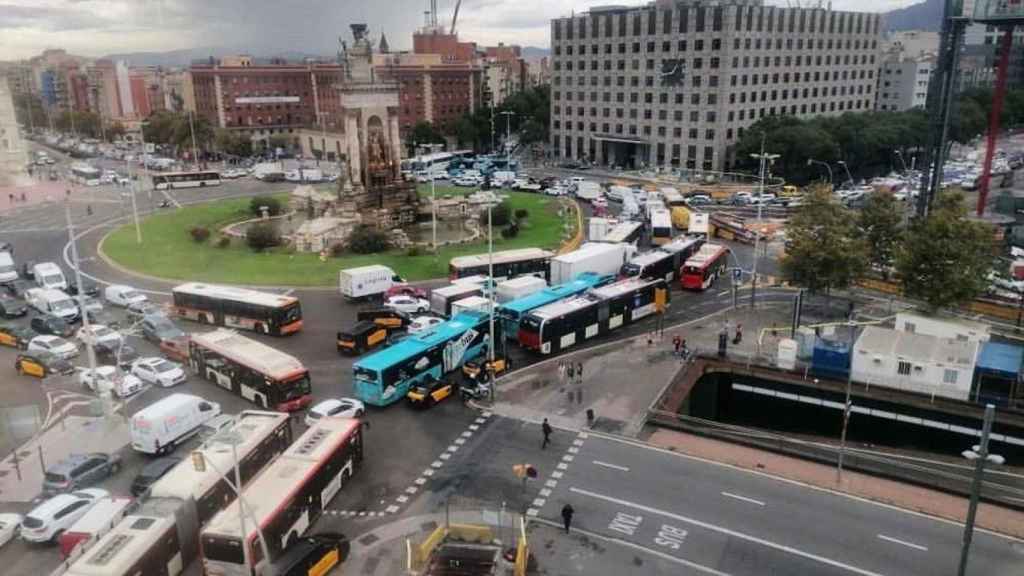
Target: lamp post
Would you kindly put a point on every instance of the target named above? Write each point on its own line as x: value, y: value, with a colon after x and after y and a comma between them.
x: 508, y: 114
x: 89, y: 349
x: 195, y: 151
x: 847, y: 406
x: 849, y: 177
x: 825, y: 164
x: 433, y: 202
x: 490, y: 298
x: 980, y: 456
x: 902, y: 161
x: 765, y: 159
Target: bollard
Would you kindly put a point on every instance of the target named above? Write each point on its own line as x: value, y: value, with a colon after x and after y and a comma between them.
x: 590, y: 416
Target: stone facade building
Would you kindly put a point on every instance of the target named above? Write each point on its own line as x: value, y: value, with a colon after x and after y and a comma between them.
x: 13, y: 152
x: 676, y: 82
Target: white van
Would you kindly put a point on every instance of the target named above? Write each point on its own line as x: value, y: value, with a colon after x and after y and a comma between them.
x: 161, y: 426
x: 8, y: 272
x: 52, y: 301
x: 49, y: 275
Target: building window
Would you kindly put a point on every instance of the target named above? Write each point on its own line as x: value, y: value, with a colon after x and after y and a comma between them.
x: 903, y: 368
x: 949, y: 376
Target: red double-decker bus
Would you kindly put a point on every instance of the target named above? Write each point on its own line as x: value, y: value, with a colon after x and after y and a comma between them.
x: 703, y: 268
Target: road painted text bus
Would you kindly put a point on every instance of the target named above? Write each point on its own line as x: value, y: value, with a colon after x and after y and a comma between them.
x: 285, y: 499
x: 85, y: 174
x: 386, y: 377
x: 704, y: 267
x: 263, y: 375
x: 173, y: 180
x: 139, y: 545
x: 507, y: 264
x: 233, y: 307
x: 563, y: 324
x: 261, y: 437
x: 510, y: 313
x: 663, y: 262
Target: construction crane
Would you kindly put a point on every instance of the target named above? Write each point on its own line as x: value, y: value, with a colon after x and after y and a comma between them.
x: 455, y: 16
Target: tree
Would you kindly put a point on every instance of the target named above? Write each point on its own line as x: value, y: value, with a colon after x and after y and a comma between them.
x: 366, y: 239
x: 279, y: 141
x: 232, y: 143
x: 261, y: 236
x: 825, y: 250
x: 115, y: 131
x: 946, y: 257
x: 424, y: 132
x: 272, y: 204
x: 880, y: 221
x: 500, y: 215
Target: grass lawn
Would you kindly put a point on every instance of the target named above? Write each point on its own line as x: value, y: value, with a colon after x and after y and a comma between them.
x: 445, y: 190
x: 168, y: 250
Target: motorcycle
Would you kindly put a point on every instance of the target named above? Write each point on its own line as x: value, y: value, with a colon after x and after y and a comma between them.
x: 475, y: 389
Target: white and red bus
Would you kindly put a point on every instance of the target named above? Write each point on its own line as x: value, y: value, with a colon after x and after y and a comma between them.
x: 285, y: 499
x: 703, y: 268
x: 506, y: 263
x: 565, y: 323
x: 663, y: 262
x: 234, y: 307
x: 263, y: 375
x: 138, y: 545
x: 172, y: 180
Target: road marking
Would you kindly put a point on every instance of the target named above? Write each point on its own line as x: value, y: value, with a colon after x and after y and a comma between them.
x: 445, y: 456
x: 437, y: 463
x: 902, y: 543
x: 467, y: 434
x: 532, y: 512
x: 428, y: 472
x: 460, y: 441
x: 545, y: 492
x: 411, y: 490
x: 391, y: 509
x: 577, y: 442
x: 473, y: 427
x: 567, y: 458
x: 728, y: 532
x: 551, y: 483
x: 743, y: 498
x: 612, y: 466
x: 557, y: 474
x: 403, y: 499
x: 573, y: 450
x: 421, y: 481
x: 563, y: 466
x: 539, y: 502
x: 453, y: 448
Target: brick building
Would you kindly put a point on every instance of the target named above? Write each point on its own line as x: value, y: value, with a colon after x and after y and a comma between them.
x: 431, y: 88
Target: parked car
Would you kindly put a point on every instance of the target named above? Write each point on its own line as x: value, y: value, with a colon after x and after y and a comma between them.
x: 405, y: 290
x: 89, y: 288
x: 152, y: 472
x: 9, y: 524
x: 140, y: 310
x: 421, y: 323
x: 158, y: 371
x: 49, y: 324
x: 110, y: 378
x: 45, y: 522
x: 407, y: 304
x: 42, y: 364
x: 17, y: 288
x: 99, y: 334
x: 104, y: 317
x: 344, y: 407
x: 11, y: 308
x: 158, y: 328
x: 53, y: 344
x: 15, y: 336
x: 80, y: 471
x: 124, y: 296
x: 124, y: 355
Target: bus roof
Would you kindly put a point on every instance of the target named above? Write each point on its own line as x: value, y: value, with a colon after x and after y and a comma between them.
x: 236, y: 294
x: 621, y: 232
x: 582, y: 283
x: 120, y: 548
x: 189, y: 173
x: 501, y: 257
x: 280, y: 479
x: 184, y: 482
x: 255, y: 355
x: 650, y: 257
x: 660, y: 218
x: 621, y: 287
x: 425, y: 340
x: 680, y: 244
x: 706, y: 253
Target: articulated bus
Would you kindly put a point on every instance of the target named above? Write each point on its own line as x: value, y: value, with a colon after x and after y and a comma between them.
x: 507, y: 264
x: 565, y: 323
x: 386, y: 377
x: 704, y: 267
x: 285, y: 499
x: 263, y: 375
x: 666, y: 261
x: 624, y: 233
x: 139, y: 544
x: 173, y: 180
x: 510, y: 313
x: 233, y: 307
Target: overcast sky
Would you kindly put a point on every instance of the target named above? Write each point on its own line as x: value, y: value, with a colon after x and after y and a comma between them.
x: 98, y: 27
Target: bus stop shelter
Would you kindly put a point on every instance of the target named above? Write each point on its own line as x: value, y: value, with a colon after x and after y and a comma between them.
x: 998, y: 373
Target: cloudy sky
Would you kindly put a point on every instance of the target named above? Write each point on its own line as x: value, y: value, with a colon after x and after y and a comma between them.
x: 98, y: 27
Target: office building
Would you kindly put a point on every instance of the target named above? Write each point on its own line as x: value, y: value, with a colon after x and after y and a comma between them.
x: 676, y: 82
x: 903, y: 81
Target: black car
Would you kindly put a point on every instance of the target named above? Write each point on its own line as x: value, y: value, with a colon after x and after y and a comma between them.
x: 89, y: 288
x: 26, y: 269
x: 152, y: 472
x: 11, y: 308
x: 323, y: 551
x: 80, y: 470
x: 158, y: 329
x: 110, y: 355
x: 17, y: 288
x: 50, y: 324
x: 103, y: 317
x: 42, y: 364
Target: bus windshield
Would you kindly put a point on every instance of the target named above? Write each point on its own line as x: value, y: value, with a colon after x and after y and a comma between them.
x: 223, y: 549
x: 530, y: 323
x: 294, y: 388
x: 290, y: 314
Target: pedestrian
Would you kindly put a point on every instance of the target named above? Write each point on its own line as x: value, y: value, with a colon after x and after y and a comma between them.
x: 567, y: 513
x: 579, y: 372
x: 23, y: 197
x: 11, y: 197
x: 570, y: 370
x: 676, y: 342
x: 546, y: 429
x: 561, y: 372
x: 739, y: 334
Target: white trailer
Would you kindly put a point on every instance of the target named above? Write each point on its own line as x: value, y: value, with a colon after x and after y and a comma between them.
x: 441, y: 299
x: 589, y: 191
x: 518, y: 288
x: 598, y: 228
x: 472, y: 304
x: 597, y: 257
x: 366, y: 281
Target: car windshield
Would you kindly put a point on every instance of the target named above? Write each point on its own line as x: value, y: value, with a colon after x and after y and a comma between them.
x: 131, y: 295
x: 32, y: 522
x: 164, y: 366
x: 53, y: 279
x: 61, y: 305
x: 6, y: 268
x: 55, y: 478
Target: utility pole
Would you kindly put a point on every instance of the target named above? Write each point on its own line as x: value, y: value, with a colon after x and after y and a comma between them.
x: 490, y: 297
x: 508, y: 114
x: 195, y: 153
x: 89, y: 349
x: 765, y: 159
x: 980, y: 456
x: 846, y: 411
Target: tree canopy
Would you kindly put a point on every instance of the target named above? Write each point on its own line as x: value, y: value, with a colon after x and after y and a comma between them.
x: 824, y: 250
x: 880, y: 226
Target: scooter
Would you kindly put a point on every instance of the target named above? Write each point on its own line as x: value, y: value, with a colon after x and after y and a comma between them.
x: 475, y: 389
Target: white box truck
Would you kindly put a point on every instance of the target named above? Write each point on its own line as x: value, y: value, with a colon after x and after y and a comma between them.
x: 520, y: 287
x: 161, y: 426
x: 441, y: 299
x: 589, y: 191
x: 597, y: 229
x: 597, y: 257
x: 366, y: 281
x: 472, y: 304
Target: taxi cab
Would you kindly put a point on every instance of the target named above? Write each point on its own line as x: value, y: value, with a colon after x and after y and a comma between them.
x: 15, y: 336
x: 42, y: 364
x: 385, y: 317
x: 313, y: 555
x: 429, y: 392
x: 473, y: 368
x: 363, y: 336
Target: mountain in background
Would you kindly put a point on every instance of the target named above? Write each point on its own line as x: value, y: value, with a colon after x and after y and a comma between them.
x: 924, y: 16
x: 532, y: 52
x: 183, y: 58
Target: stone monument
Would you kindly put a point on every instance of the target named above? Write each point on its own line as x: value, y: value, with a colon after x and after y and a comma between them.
x: 13, y: 152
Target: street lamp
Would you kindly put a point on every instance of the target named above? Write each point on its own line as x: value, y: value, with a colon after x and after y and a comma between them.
x: 89, y: 349
x: 765, y: 159
x: 902, y: 161
x: 849, y: 177
x: 508, y: 114
x: 825, y: 164
x: 980, y: 456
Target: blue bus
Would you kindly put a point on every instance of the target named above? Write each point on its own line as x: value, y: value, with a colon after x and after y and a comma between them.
x: 386, y: 377
x: 510, y: 313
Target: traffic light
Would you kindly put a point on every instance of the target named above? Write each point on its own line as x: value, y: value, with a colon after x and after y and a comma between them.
x: 198, y: 462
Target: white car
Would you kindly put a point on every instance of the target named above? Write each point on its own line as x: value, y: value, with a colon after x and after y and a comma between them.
x: 407, y: 304
x: 53, y: 344
x: 9, y: 527
x: 100, y: 334
x: 124, y: 296
x: 344, y: 407
x: 421, y: 323
x: 468, y: 181
x: 556, y: 190
x: 110, y: 378
x: 158, y: 371
x: 46, y: 521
